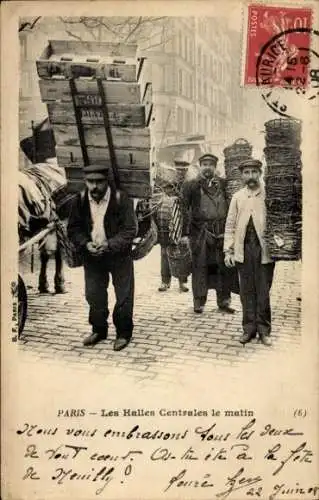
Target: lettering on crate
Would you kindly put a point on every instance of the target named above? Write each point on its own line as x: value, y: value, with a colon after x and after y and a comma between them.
x: 86, y: 99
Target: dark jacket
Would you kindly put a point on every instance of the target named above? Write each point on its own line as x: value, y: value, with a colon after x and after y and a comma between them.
x: 194, y: 216
x: 120, y: 223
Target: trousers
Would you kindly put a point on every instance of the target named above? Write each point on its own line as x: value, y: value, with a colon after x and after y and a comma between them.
x: 97, y: 272
x: 166, y: 274
x: 255, y: 280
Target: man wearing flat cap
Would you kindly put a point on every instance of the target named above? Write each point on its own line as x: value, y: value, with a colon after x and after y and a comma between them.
x: 102, y: 225
x: 204, y: 200
x: 245, y: 247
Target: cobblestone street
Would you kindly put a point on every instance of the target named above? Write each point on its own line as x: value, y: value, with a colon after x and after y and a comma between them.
x: 168, y: 335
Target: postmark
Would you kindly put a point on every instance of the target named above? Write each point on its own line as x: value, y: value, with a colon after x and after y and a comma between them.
x: 281, y: 67
x: 291, y: 25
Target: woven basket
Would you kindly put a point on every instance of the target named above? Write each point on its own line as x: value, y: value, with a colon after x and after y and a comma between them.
x: 143, y: 246
x: 180, y: 259
x: 281, y: 186
x: 283, y: 236
x: 283, y: 169
x: 283, y: 155
x: 281, y: 129
x: 240, y: 147
x: 282, y: 206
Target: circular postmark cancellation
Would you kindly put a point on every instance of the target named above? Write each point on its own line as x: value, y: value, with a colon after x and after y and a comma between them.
x: 289, y: 62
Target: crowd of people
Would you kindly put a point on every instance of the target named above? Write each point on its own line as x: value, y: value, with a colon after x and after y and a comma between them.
x: 229, y: 252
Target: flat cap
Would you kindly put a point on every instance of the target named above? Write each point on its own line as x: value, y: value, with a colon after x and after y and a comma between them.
x: 96, y: 169
x: 208, y: 156
x: 250, y: 162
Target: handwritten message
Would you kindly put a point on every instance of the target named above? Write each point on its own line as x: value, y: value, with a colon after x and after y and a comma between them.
x: 205, y: 458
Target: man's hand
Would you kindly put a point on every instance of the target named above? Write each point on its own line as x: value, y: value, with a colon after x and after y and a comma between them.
x: 91, y: 248
x: 101, y: 248
x: 229, y: 260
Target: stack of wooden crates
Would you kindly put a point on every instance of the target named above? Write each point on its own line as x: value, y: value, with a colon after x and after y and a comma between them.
x: 76, y: 78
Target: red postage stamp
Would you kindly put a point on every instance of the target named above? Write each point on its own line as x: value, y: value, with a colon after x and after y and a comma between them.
x: 278, y: 46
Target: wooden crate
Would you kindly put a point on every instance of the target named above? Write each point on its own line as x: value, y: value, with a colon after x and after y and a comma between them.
x: 120, y: 115
x: 123, y: 138
x: 71, y: 156
x: 70, y: 58
x: 116, y: 92
x: 134, y: 190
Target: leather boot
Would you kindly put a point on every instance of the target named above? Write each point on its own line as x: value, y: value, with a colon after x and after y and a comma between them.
x: 164, y: 287
x: 198, y: 307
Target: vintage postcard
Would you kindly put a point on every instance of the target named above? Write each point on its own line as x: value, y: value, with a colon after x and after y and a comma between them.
x: 159, y: 250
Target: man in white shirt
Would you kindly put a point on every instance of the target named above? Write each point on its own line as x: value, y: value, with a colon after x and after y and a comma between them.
x: 102, y: 225
x: 245, y: 247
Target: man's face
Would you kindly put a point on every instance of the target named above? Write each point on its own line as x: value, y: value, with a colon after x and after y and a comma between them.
x: 97, y: 185
x: 207, y: 169
x: 251, y: 176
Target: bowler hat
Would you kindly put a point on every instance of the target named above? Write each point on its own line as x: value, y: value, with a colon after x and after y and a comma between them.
x: 208, y: 156
x: 96, y: 169
x: 250, y: 162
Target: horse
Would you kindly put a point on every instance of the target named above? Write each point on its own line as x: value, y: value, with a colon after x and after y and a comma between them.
x: 37, y: 185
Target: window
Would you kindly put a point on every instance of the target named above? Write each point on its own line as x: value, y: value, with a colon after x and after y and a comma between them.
x: 205, y: 62
x: 180, y: 119
x: 186, y: 48
x: 199, y: 90
x: 215, y: 75
x: 188, y: 120
x: 187, y: 81
x: 158, y: 77
x: 205, y: 96
x: 191, y: 51
x: 23, y: 49
x: 199, y: 56
x: 209, y: 128
x: 168, y: 79
x: 199, y: 123
x: 180, y: 82
x: 180, y: 43
x: 191, y: 83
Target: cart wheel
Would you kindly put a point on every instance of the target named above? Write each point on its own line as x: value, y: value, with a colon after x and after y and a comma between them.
x: 22, y: 305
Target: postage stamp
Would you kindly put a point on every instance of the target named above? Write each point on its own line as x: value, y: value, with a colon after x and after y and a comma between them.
x: 278, y: 42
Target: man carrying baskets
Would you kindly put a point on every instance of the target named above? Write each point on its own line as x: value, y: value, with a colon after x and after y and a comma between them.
x: 102, y: 225
x: 204, y: 201
x: 245, y: 247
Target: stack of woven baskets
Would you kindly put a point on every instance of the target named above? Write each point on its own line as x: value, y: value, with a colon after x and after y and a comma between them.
x: 283, y: 183
x: 236, y: 153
